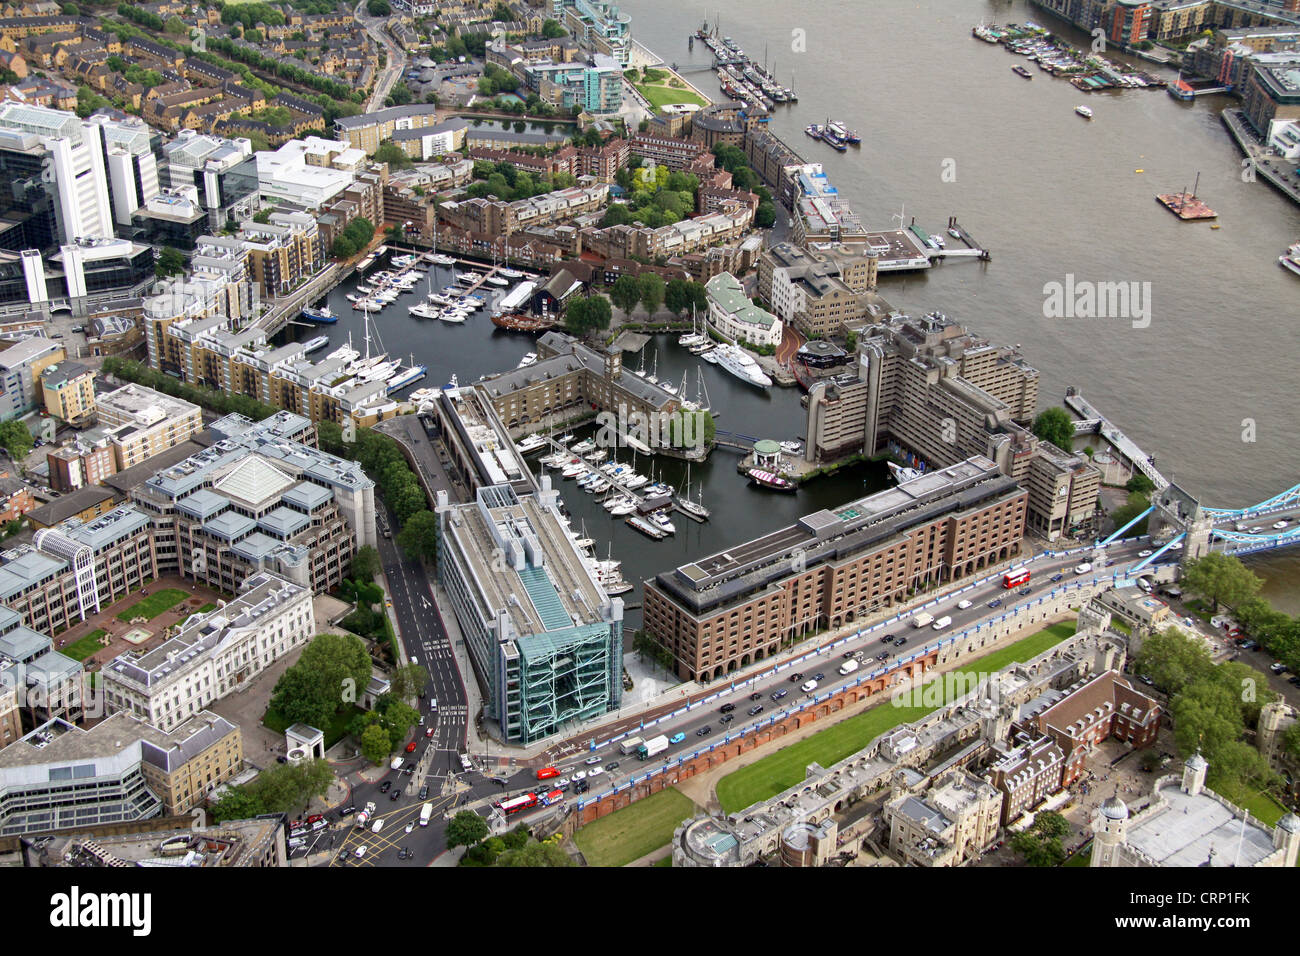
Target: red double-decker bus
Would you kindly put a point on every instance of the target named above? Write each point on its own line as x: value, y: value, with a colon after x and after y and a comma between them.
x: 515, y: 804
x: 1013, y: 579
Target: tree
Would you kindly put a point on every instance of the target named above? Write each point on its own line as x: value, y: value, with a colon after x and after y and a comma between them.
x: 765, y: 215
x: 378, y: 8
x: 1136, y: 504
x: 344, y: 248
x: 375, y: 745
x: 502, y: 13
x: 175, y: 26
x: 365, y: 563
x: 651, y: 285
x: 1172, y: 660
x: 418, y: 538
x: 1054, y: 425
x: 1140, y: 483
x: 1040, y: 845
x: 1220, y: 579
x: 625, y: 293
x: 677, y: 296
x: 535, y: 854
x: 407, y: 682
x: 171, y: 262
x: 583, y: 316
x: 552, y: 30
x: 466, y: 828
x: 392, y: 154
x: 1206, y: 718
x: 331, y: 673
x: 16, y: 439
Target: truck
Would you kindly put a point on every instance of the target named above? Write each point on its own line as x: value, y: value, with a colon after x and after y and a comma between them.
x: 630, y: 745
x: 655, y: 745
x: 362, y: 819
x: 426, y: 812
x: 922, y: 619
x: 848, y: 667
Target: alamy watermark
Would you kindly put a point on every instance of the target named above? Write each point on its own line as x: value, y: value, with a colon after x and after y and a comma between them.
x: 1085, y: 299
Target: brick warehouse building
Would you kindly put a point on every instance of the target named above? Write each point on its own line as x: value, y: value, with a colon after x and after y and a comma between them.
x: 737, y: 606
x: 1083, y: 716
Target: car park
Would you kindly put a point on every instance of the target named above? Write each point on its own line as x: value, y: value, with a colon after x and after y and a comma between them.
x: 755, y: 710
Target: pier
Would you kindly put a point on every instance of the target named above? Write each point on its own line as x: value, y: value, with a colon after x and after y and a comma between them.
x: 645, y: 504
x: 1283, y: 176
x: 1098, y: 423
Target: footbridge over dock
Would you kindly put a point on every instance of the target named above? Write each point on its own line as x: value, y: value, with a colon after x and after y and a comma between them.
x: 729, y: 439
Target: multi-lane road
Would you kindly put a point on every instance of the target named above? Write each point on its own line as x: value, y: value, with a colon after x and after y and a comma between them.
x: 821, y: 666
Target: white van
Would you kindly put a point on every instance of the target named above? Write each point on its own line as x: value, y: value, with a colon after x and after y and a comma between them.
x: 848, y: 667
x: 809, y: 686
x: 377, y: 825
x: 1083, y: 568
x: 943, y: 622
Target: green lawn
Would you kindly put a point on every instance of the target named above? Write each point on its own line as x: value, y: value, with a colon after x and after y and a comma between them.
x: 206, y: 608
x: 785, y: 768
x: 666, y: 861
x: 336, y: 731
x: 1082, y: 858
x: 629, y: 834
x: 155, y: 604
x: 85, y: 646
x: 658, y: 96
x: 1264, y: 808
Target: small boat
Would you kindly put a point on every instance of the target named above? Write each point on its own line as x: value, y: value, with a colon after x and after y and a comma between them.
x: 408, y: 377
x: 510, y: 273
x: 441, y: 260
x: 596, y: 457
x: 584, y: 446
x: 623, y: 506
x: 1291, y: 261
x: 528, y: 360
x: 497, y: 281
x: 452, y: 314
x: 661, y: 520
x: 323, y: 314
x: 767, y: 479
x: 792, y: 447
x: 1083, y: 111
x: 600, y: 486
x: 1021, y: 71
x: 954, y: 233
x: 647, y: 528
x: 425, y: 311
x: 313, y: 345
x: 573, y: 470
x: 902, y: 474
x: 565, y: 438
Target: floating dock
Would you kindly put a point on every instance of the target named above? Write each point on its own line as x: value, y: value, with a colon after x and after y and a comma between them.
x: 1186, y: 206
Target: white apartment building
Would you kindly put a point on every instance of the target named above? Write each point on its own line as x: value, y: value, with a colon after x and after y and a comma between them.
x: 213, y: 654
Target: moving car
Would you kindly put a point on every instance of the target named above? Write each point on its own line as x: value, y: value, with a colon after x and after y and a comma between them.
x: 410, y: 748
x: 727, y: 708
x: 1145, y: 553
x: 385, y: 786
x: 780, y: 693
x: 360, y: 851
x: 755, y: 710
x: 704, y: 731
x: 677, y: 738
x: 592, y: 760
x: 996, y: 602
x: 963, y: 604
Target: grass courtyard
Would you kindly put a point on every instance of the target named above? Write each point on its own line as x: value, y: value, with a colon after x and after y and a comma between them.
x: 83, y: 647
x: 150, y: 607
x: 659, y: 95
x: 785, y: 768
x: 629, y: 834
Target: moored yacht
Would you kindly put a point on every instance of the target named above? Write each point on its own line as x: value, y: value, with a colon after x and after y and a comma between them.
x: 740, y: 364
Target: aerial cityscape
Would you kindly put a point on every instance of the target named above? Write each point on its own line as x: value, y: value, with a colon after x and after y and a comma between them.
x: 568, y: 433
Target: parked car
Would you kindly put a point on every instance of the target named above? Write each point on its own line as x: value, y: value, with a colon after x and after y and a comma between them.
x: 360, y: 852
x: 1277, y: 667
x: 1249, y: 645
